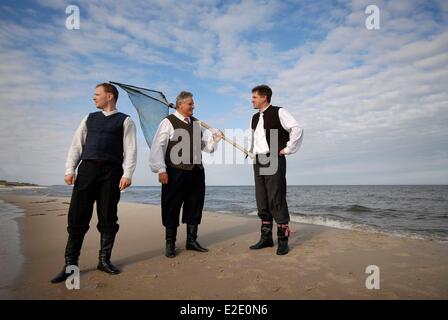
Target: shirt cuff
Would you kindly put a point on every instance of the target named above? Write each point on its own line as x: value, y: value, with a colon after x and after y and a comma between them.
x: 161, y: 170
x: 69, y: 171
x: 127, y: 175
x: 211, y: 146
x: 286, y: 149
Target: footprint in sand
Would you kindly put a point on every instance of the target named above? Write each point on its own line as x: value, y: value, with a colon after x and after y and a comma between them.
x: 101, y: 285
x: 342, y: 279
x: 249, y: 289
x: 65, y: 202
x: 403, y: 254
x: 39, y: 214
x: 62, y: 214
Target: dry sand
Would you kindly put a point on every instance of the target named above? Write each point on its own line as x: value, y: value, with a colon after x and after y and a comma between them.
x: 324, y: 263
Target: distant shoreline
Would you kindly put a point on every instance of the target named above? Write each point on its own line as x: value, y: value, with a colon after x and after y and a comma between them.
x: 5, y: 184
x: 22, y: 187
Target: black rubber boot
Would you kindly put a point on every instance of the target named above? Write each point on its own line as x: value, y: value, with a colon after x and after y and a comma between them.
x: 170, y: 237
x: 265, y: 238
x: 283, y: 234
x: 104, y: 264
x: 192, y: 235
x: 72, y: 252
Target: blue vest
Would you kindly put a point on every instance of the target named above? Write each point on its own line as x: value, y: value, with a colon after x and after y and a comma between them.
x: 104, y: 139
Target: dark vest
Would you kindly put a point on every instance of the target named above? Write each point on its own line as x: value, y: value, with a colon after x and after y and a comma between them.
x: 271, y: 121
x: 104, y: 139
x: 194, y: 147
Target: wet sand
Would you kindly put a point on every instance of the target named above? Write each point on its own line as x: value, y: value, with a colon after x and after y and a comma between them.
x: 324, y: 263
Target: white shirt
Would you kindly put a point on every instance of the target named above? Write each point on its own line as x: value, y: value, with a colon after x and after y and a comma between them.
x: 164, y: 133
x: 260, y: 144
x: 129, y: 146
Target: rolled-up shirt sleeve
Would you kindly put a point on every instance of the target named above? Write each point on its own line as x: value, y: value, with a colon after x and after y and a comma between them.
x: 75, y: 151
x: 295, y: 131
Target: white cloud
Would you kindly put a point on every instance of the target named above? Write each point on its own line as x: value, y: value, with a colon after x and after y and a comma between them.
x: 359, y: 93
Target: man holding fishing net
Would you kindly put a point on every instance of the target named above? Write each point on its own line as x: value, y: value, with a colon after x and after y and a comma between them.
x: 176, y: 158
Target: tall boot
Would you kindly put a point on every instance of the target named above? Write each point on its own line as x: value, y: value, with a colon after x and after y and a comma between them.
x: 192, y: 235
x: 170, y: 237
x: 283, y: 235
x: 266, y: 236
x: 72, y: 252
x: 104, y: 264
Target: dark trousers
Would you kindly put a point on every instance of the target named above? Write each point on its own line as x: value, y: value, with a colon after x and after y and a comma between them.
x: 270, y: 193
x: 187, y: 188
x: 96, y: 181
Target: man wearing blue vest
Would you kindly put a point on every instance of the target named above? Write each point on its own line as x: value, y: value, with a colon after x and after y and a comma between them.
x: 105, y: 144
x: 275, y: 134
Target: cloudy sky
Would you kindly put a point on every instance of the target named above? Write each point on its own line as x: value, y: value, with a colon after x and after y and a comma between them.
x: 373, y: 103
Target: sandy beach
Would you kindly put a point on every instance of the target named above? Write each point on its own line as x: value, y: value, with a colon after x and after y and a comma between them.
x: 324, y: 263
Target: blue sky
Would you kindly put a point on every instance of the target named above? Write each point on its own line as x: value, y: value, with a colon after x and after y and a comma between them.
x: 373, y: 103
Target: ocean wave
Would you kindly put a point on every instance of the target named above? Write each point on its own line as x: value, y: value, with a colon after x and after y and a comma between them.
x: 332, y: 222
x: 358, y: 208
x: 329, y: 222
x: 222, y: 211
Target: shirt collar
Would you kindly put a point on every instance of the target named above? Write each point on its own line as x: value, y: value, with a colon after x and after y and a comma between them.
x: 106, y: 113
x: 263, y: 110
x: 180, y: 117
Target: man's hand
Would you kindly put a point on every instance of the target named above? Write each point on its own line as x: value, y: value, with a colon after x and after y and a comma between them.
x: 124, y: 183
x: 70, y: 179
x: 163, y: 177
x: 217, y: 136
x: 282, y: 152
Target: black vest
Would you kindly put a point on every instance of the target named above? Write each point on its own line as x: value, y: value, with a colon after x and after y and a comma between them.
x: 104, y: 139
x: 271, y: 121
x: 194, y: 144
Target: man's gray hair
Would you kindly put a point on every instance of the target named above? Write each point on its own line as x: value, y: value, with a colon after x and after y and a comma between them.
x: 182, y: 96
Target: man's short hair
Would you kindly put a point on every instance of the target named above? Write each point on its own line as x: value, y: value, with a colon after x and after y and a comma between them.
x: 264, y: 91
x: 109, y: 88
x: 182, y: 96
